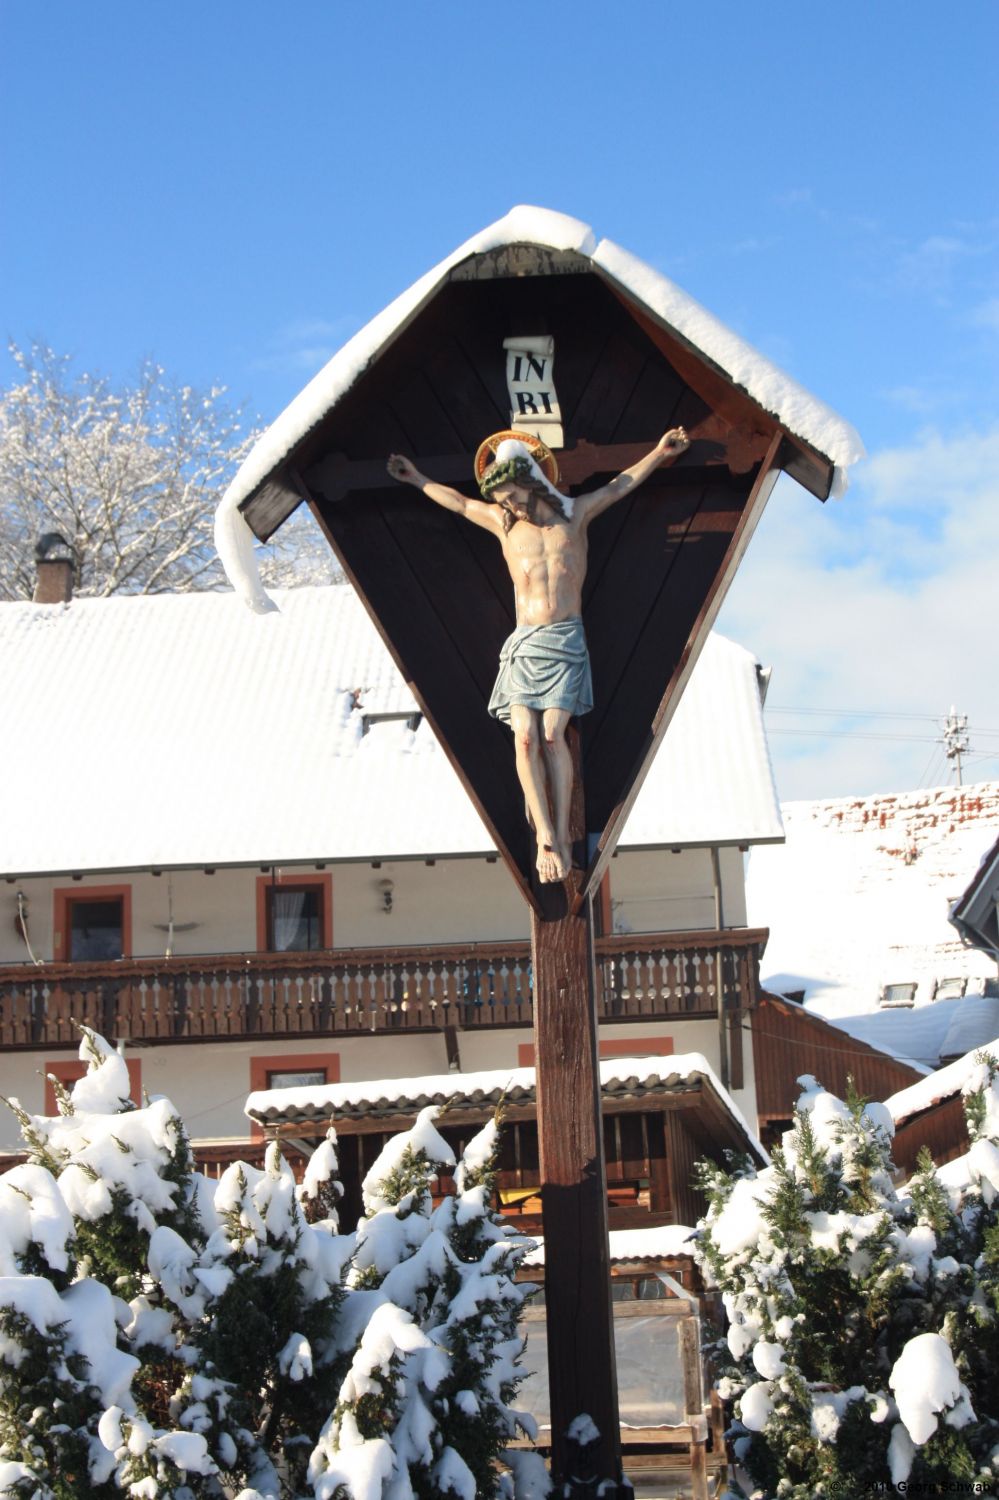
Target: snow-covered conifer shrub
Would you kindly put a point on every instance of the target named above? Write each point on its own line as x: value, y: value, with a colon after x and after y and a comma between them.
x: 425, y: 1408
x: 858, y: 1318
x: 164, y: 1335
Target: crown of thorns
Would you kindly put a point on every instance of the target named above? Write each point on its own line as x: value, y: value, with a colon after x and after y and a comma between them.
x: 518, y: 470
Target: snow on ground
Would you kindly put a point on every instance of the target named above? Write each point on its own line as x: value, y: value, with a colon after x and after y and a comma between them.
x: 859, y: 896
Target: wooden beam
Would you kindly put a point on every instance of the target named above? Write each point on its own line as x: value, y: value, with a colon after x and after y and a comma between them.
x: 758, y: 496
x: 728, y: 400
x: 581, y: 1357
x: 713, y: 442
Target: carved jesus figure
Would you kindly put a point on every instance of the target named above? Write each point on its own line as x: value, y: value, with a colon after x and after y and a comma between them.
x: 544, y: 676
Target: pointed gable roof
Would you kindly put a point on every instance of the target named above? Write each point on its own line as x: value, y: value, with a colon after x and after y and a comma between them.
x: 717, y: 347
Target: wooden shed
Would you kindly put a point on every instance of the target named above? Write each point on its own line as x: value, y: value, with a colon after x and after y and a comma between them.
x: 660, y: 1115
x: 789, y: 1041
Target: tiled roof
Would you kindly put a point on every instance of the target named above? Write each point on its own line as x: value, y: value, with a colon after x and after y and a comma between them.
x: 620, y: 1078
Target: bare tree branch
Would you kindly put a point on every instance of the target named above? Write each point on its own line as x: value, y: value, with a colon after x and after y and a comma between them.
x: 130, y: 477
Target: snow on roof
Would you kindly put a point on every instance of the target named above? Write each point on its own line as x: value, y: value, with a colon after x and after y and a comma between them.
x: 659, y: 1242
x: 620, y: 1077
x: 181, y: 730
x: 801, y: 413
x: 976, y: 910
x: 927, y: 1033
x: 859, y: 897
x: 940, y: 1085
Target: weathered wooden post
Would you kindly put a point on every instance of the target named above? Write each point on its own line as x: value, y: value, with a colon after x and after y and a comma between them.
x: 467, y: 351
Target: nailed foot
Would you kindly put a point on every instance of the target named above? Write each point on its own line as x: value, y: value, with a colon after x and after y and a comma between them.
x: 552, y: 863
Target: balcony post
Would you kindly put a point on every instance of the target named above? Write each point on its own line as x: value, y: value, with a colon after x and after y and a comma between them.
x: 719, y: 971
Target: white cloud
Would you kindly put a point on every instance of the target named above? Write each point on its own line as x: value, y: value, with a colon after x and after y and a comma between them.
x: 986, y: 315
x: 883, y: 602
x: 304, y: 345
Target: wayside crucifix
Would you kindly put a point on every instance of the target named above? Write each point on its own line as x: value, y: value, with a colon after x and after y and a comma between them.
x: 544, y: 676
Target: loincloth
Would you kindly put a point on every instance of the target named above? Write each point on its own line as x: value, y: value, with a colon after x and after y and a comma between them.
x: 544, y: 666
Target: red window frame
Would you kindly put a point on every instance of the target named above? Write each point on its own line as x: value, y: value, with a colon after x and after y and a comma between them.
x: 64, y: 897
x: 321, y: 883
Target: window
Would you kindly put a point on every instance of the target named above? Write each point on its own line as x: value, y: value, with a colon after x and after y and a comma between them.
x: 949, y: 989
x: 285, y: 1070
x: 294, y: 918
x: 304, y: 1079
x: 294, y: 915
x: 96, y: 929
x: 92, y: 924
x: 899, y: 994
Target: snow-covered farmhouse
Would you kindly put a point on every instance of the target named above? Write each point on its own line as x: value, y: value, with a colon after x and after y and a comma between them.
x: 230, y: 842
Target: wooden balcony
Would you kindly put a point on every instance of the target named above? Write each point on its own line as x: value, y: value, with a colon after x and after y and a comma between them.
x: 658, y: 976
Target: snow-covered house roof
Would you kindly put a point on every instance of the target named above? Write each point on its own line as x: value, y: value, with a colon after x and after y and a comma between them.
x: 184, y: 731
x: 928, y: 1034
x: 769, y: 387
x: 975, y: 913
x: 942, y: 1084
x: 621, y: 1079
x: 859, y: 896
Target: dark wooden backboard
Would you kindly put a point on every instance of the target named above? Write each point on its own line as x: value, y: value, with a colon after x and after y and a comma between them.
x: 437, y: 586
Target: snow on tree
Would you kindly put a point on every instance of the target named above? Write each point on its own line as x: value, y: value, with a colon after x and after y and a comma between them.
x: 130, y: 477
x: 277, y: 1290
x: 424, y: 1410
x: 859, y: 1326
x: 83, y: 1408
x: 163, y: 1335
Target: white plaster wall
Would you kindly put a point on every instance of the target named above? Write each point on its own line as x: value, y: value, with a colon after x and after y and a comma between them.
x: 208, y: 1082
x: 452, y: 901
x: 659, y: 891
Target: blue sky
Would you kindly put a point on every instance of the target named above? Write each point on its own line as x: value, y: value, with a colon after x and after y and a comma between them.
x: 236, y: 188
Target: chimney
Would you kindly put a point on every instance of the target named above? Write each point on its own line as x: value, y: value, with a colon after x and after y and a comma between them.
x: 54, y: 565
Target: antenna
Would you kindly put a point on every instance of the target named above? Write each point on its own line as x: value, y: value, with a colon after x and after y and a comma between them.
x: 955, y: 738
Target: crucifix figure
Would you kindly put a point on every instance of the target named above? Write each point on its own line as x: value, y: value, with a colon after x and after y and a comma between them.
x: 544, y: 677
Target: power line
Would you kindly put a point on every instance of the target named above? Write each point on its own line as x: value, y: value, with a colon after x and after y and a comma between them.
x: 853, y: 713
x: 857, y: 713
x: 857, y: 734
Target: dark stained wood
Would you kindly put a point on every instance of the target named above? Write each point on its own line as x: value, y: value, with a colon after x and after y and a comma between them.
x: 942, y: 1129
x: 789, y: 1042
x: 436, y: 391
x: 736, y: 1021
x: 580, y: 1320
x: 659, y: 1166
x: 682, y: 1152
x: 710, y: 589
x: 356, y: 991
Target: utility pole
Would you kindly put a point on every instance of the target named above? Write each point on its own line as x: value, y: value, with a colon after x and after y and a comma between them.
x: 955, y: 739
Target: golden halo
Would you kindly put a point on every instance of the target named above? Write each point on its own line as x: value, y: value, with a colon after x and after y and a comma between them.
x: 540, y: 452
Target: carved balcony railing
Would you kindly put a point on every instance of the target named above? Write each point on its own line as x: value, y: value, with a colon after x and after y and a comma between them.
x: 647, y: 975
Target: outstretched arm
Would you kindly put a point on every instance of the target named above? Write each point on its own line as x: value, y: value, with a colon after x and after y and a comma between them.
x: 478, y: 511
x: 668, y: 448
